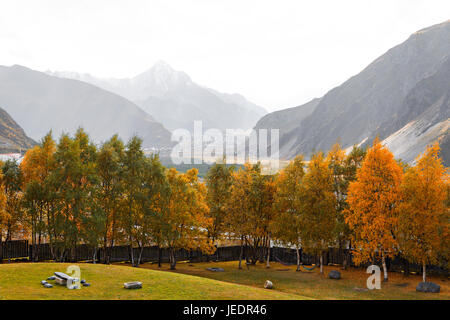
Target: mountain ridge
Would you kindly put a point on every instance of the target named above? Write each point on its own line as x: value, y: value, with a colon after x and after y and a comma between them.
x: 176, y: 101
x: 40, y: 102
x: 358, y: 110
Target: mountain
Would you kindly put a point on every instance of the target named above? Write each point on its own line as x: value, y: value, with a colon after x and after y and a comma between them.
x: 402, y: 97
x: 12, y: 136
x: 40, y: 102
x: 176, y: 101
x: 286, y: 121
x: 424, y: 117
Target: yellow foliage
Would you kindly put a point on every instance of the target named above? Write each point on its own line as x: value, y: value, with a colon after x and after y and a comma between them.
x: 373, y: 200
x: 424, y: 219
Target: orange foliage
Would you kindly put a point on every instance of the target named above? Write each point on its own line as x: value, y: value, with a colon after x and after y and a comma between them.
x: 373, y: 200
x: 424, y: 219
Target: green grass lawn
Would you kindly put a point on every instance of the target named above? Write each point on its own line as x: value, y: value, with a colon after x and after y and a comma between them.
x: 193, y: 281
x: 22, y: 281
x: 312, y: 284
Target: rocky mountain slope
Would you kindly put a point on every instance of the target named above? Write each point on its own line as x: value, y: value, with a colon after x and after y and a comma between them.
x: 40, y: 102
x: 12, y: 136
x: 402, y: 96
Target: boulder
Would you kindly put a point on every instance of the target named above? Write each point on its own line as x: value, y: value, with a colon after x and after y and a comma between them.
x: 428, y: 287
x: 43, y: 282
x: 215, y: 269
x: 51, y: 278
x: 268, y: 284
x: 132, y: 285
x: 83, y: 281
x: 48, y: 285
x: 334, y: 274
x: 85, y: 284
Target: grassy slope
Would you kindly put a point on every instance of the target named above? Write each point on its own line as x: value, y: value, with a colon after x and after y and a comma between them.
x: 22, y: 281
x: 312, y: 284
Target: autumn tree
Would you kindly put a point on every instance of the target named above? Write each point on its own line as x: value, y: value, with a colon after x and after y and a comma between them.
x: 237, y: 208
x: 74, y: 180
x: 287, y: 226
x: 373, y: 206
x: 424, y: 219
x: 343, y: 169
x: 133, y: 191
x: 153, y: 204
x: 157, y: 196
x: 319, y: 207
x: 250, y: 209
x: 218, y: 182
x: 109, y: 193
x: 36, y: 167
x: 12, y: 183
x: 3, y: 214
x: 185, y: 218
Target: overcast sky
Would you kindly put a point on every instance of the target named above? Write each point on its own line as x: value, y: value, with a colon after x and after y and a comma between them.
x: 278, y: 54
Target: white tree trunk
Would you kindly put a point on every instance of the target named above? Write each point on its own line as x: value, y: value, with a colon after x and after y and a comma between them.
x: 268, y: 254
x: 298, y: 259
x: 321, y: 263
x: 384, y: 268
x: 95, y: 256
x: 241, y: 253
x: 424, y: 272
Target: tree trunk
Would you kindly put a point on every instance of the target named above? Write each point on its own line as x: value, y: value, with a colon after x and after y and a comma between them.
x: 246, y: 251
x: 105, y: 249
x: 111, y: 243
x: 344, y: 262
x: 159, y: 256
x: 347, y: 255
x: 33, y: 242
x: 38, y: 247
x: 140, y: 256
x: 94, y: 258
x: 8, y: 245
x: 298, y: 259
x: 131, y: 251
x: 241, y: 253
x: 51, y: 227
x: 268, y: 253
x: 383, y: 261
x: 424, y: 272
x: 321, y: 262
x: 173, y: 260
x: 1, y: 246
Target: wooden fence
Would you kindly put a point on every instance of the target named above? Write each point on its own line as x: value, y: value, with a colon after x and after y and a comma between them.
x: 21, y: 249
x: 13, y: 249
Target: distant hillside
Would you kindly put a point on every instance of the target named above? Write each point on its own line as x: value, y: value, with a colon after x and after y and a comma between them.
x: 40, y: 102
x: 287, y: 121
x: 173, y: 99
x: 403, y: 97
x: 12, y: 136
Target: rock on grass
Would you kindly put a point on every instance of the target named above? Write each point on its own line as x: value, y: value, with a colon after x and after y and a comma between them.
x: 334, y: 274
x: 428, y: 287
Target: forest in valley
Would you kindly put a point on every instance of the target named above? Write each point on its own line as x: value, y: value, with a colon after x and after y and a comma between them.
x: 71, y: 192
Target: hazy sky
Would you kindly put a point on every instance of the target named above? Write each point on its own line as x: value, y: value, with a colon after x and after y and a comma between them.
x: 276, y: 53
